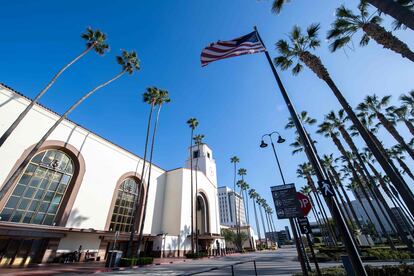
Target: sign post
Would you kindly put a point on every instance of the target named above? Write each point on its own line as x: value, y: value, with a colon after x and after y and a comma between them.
x: 288, y: 207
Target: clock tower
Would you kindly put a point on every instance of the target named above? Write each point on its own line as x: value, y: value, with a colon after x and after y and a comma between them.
x: 203, y: 158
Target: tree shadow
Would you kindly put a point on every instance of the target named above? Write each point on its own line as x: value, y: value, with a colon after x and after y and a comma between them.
x: 77, y: 218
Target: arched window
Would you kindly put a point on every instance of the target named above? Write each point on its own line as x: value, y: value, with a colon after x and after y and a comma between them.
x: 39, y: 192
x: 124, y: 206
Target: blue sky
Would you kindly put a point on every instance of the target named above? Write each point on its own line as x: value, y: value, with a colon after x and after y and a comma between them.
x: 235, y: 100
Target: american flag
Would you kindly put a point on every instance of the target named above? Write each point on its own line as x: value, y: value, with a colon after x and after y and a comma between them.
x: 247, y: 44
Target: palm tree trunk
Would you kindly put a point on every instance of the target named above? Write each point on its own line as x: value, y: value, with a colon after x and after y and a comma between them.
x: 21, y: 116
x: 410, y: 126
x: 257, y: 221
x: 246, y: 209
x: 35, y: 149
x: 141, y: 185
x: 325, y: 219
x: 395, y: 10
x: 405, y: 168
x: 315, y: 64
x: 379, y: 199
x: 348, y: 201
x: 375, y: 191
x: 141, y: 230
x: 324, y: 232
x: 192, y: 191
x: 235, y: 202
x: 387, y: 40
x: 274, y: 228
x: 394, y: 133
x: 341, y: 198
x: 196, y: 194
x: 263, y: 223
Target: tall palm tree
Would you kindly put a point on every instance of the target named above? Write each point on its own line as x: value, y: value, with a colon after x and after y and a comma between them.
x: 260, y: 201
x: 161, y: 97
x: 328, y: 129
x: 246, y: 187
x: 95, y: 40
x: 327, y: 162
x: 396, y: 153
x: 242, y: 173
x: 129, y: 63
x: 198, y: 140
x: 234, y: 160
x: 192, y: 123
x: 338, y: 121
x: 408, y: 100
x: 375, y: 106
x: 253, y: 196
x: 150, y: 97
x: 396, y: 9
x: 347, y: 24
x: 304, y: 118
x: 298, y: 49
x: 399, y: 9
x: 402, y: 114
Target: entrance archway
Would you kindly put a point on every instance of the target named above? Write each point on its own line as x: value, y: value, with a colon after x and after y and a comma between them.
x: 202, y: 215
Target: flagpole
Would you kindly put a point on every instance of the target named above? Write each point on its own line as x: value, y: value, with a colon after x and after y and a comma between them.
x: 336, y: 213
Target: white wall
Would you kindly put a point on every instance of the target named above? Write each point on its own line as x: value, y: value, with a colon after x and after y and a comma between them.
x: 105, y: 162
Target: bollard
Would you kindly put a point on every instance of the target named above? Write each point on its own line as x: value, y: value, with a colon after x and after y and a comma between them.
x: 255, y: 269
x: 232, y: 270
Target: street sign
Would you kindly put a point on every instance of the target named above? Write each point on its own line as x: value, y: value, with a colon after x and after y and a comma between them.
x: 304, y: 226
x: 305, y: 204
x: 326, y: 188
x: 286, y: 202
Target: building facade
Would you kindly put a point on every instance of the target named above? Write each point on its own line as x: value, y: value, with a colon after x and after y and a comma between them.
x: 78, y: 193
x: 231, y: 204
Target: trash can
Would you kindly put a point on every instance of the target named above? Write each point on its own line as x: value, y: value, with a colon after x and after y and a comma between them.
x: 114, y: 258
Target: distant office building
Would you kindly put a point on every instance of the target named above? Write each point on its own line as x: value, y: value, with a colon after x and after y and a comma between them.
x: 279, y: 236
x: 362, y: 216
x: 229, y: 207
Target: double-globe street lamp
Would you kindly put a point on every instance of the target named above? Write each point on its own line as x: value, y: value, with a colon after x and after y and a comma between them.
x: 301, y: 253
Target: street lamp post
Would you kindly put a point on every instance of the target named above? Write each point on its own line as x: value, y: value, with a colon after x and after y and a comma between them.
x: 280, y: 140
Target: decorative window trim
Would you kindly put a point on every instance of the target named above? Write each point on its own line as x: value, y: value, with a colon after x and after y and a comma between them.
x: 142, y: 191
x: 74, y: 185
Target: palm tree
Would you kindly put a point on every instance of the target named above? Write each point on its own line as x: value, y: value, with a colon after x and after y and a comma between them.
x: 401, y: 10
x: 303, y: 117
x: 396, y: 9
x: 396, y: 153
x: 253, y: 195
x: 347, y: 24
x: 241, y: 172
x: 299, y: 47
x: 159, y: 97
x: 408, y: 100
x: 246, y: 187
x: 328, y: 129
x: 234, y: 160
x: 402, y: 114
x: 95, y: 40
x: 129, y: 63
x: 374, y: 106
x: 327, y: 162
x: 260, y: 201
x: 192, y: 123
x: 198, y: 140
x: 149, y: 97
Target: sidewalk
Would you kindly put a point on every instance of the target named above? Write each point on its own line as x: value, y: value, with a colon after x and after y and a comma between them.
x: 84, y: 267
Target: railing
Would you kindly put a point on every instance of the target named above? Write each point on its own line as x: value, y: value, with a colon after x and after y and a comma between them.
x: 223, y: 267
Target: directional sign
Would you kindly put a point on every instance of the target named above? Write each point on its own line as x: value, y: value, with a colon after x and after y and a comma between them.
x: 286, y: 202
x: 304, y: 226
x: 305, y: 204
x: 326, y: 188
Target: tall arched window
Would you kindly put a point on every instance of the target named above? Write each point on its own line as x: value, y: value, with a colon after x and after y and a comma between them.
x: 39, y: 192
x: 124, y: 206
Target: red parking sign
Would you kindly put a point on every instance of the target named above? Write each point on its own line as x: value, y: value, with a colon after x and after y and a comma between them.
x: 305, y: 204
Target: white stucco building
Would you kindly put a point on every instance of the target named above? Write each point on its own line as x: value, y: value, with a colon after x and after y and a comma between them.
x: 230, y: 205
x: 79, y: 189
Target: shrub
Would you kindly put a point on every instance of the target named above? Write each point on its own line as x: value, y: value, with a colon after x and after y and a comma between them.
x: 191, y: 255
x: 125, y: 262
